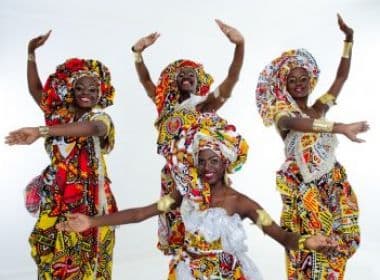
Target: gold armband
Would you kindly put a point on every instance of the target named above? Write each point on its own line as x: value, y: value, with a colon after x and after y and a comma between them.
x: 322, y: 126
x: 278, y: 116
x: 44, y: 131
x: 263, y: 219
x: 302, y: 242
x: 165, y: 203
x: 31, y: 57
x: 347, y: 47
x: 327, y: 99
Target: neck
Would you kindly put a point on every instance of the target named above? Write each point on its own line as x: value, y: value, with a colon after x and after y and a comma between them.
x: 301, y: 102
x: 79, y: 112
x: 184, y: 95
x: 217, y: 186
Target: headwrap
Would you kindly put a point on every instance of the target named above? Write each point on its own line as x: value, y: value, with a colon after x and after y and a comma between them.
x: 232, y: 148
x: 272, y: 96
x: 167, y: 93
x: 58, y: 90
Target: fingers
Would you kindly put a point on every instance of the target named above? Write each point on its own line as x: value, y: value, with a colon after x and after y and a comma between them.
x: 45, y: 37
x: 224, y: 27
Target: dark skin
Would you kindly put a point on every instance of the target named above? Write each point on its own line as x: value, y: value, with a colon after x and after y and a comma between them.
x: 298, y: 86
x: 211, y: 169
x: 86, y: 96
x: 211, y: 104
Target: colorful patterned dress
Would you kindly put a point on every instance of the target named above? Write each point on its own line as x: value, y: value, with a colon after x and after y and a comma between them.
x: 214, y: 247
x: 317, y: 198
x: 76, y: 181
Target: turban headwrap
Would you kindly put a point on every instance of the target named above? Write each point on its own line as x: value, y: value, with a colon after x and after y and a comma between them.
x: 167, y: 92
x: 57, y: 96
x: 272, y: 96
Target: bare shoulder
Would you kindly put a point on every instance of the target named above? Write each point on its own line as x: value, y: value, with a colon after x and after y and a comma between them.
x: 240, y: 202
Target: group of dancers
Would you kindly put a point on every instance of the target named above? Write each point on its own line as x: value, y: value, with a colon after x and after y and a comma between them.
x: 200, y: 212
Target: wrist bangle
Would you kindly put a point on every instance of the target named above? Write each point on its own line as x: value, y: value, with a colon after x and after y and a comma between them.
x: 165, y: 203
x: 44, y: 131
x: 322, y: 126
x: 347, y: 47
x: 138, y: 57
x: 302, y: 242
x: 31, y: 57
x: 327, y: 99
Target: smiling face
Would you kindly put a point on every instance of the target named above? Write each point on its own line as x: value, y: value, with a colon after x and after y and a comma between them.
x: 86, y: 92
x: 211, y: 167
x: 298, y: 83
x: 187, y: 81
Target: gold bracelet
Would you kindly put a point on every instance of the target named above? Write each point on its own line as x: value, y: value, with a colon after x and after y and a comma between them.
x: 278, y: 116
x: 347, y: 47
x: 302, y: 242
x: 263, y: 219
x: 327, y: 99
x: 165, y: 203
x: 44, y: 131
x: 138, y: 57
x: 322, y: 125
x: 31, y: 57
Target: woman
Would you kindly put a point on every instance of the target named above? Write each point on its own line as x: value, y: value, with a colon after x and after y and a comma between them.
x: 76, y: 181
x: 214, y: 235
x: 183, y: 100
x: 316, y: 195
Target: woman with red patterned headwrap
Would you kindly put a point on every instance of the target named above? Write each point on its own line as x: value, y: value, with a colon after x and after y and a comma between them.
x: 317, y: 198
x: 77, y: 135
x: 184, y: 101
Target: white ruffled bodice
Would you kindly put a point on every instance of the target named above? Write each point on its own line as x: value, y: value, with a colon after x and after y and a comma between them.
x: 214, y: 224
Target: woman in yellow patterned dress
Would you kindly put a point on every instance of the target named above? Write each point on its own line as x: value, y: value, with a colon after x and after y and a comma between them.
x: 76, y: 181
x: 316, y: 195
x: 181, y: 96
x: 214, y: 235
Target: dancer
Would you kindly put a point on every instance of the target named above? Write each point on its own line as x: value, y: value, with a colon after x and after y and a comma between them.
x: 316, y: 195
x: 183, y: 100
x: 214, y: 235
x: 77, y: 135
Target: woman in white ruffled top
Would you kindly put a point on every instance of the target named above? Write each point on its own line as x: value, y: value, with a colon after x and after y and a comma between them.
x: 214, y: 236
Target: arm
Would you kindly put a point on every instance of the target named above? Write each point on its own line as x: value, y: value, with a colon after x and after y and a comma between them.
x: 343, y: 68
x: 79, y: 222
x: 28, y: 135
x: 223, y: 91
x: 141, y: 69
x: 248, y: 208
x: 34, y: 82
x: 350, y: 130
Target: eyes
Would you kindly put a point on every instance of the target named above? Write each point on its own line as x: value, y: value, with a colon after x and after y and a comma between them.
x: 91, y: 89
x: 182, y: 74
x: 302, y: 79
x: 215, y: 161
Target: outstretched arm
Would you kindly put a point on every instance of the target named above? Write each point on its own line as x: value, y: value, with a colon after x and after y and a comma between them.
x: 290, y: 240
x: 28, y: 135
x: 142, y: 70
x: 79, y: 222
x: 322, y: 104
x: 34, y: 82
x: 224, y: 90
x: 350, y: 130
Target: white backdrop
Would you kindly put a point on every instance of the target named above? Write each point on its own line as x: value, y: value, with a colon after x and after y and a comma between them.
x: 107, y: 29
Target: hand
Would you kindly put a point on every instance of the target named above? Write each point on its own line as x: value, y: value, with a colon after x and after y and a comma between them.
x: 38, y: 42
x: 320, y: 243
x: 75, y: 222
x: 23, y: 136
x: 145, y: 42
x: 348, y: 31
x: 232, y: 33
x: 353, y: 129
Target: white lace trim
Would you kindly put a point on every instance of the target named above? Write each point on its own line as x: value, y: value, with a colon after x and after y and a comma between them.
x: 324, y: 148
x: 215, y: 223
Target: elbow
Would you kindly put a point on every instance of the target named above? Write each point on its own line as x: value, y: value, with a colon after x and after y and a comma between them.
x: 99, y: 129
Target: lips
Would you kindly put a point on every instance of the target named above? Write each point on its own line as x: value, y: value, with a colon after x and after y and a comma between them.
x: 208, y: 176
x: 84, y: 99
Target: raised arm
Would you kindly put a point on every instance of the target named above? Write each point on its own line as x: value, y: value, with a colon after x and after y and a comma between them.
x: 142, y: 70
x: 248, y: 208
x: 28, y: 135
x: 34, y: 82
x: 79, y: 222
x: 224, y: 90
x: 322, y: 104
x: 350, y: 130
